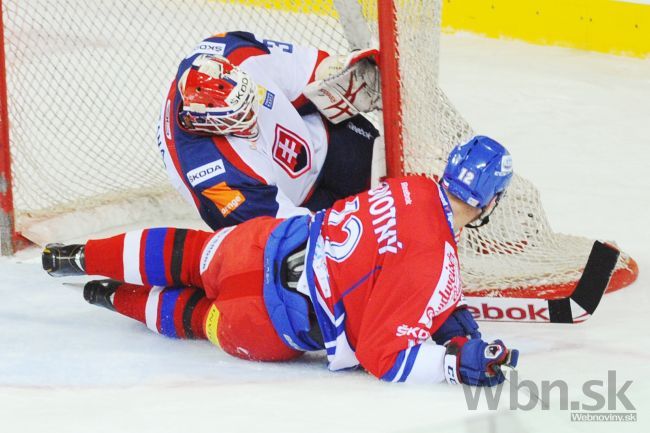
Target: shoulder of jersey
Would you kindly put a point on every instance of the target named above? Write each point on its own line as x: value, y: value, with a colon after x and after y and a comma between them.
x: 414, y: 185
x: 420, y: 196
x: 235, y: 46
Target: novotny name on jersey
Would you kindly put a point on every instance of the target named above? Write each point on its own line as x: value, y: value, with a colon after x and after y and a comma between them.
x: 205, y: 172
x: 382, y: 206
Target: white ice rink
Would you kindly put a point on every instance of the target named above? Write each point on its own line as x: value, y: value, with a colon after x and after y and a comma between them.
x: 577, y: 125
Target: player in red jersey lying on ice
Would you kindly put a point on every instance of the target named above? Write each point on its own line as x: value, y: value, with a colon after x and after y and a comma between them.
x: 374, y: 281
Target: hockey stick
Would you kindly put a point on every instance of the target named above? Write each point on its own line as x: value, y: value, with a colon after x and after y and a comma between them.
x: 74, y: 285
x: 354, y: 25
x: 575, y: 308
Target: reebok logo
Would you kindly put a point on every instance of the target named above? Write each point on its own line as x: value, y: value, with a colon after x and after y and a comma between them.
x: 407, y: 193
x: 359, y: 131
x: 507, y: 311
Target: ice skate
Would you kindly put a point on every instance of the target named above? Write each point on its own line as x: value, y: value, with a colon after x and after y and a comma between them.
x: 64, y: 260
x: 100, y: 292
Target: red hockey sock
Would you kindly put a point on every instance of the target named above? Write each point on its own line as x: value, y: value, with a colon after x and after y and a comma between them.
x: 174, y: 312
x: 150, y: 257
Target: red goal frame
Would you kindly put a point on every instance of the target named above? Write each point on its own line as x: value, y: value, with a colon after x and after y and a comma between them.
x: 7, y: 224
x: 390, y: 87
x: 392, y: 114
x: 393, y: 138
x: 392, y: 99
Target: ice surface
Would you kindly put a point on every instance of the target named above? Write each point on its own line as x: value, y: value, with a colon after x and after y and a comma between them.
x: 577, y: 125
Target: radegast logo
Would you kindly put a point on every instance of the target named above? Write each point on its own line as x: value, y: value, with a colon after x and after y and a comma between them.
x: 603, y: 399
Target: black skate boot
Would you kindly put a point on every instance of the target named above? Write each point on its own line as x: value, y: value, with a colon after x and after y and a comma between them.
x: 100, y: 292
x: 64, y: 260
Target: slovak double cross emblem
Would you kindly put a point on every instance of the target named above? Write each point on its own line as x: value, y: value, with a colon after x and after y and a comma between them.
x: 291, y: 152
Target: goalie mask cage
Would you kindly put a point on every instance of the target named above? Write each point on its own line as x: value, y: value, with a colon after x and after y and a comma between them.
x: 82, y: 81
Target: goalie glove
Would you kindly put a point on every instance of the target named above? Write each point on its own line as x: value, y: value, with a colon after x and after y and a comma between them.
x: 346, y: 86
x: 475, y: 362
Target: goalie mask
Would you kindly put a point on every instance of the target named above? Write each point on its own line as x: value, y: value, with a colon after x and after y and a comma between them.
x: 218, y: 98
x: 478, y: 173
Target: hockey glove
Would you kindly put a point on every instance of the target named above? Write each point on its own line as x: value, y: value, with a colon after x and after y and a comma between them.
x: 475, y: 362
x: 346, y: 86
x: 459, y: 324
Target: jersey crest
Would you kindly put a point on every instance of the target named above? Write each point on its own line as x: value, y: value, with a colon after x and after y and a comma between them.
x: 291, y: 152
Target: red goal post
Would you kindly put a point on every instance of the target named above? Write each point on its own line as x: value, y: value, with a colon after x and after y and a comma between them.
x: 517, y: 254
x: 7, y: 231
x: 82, y: 89
x: 391, y: 93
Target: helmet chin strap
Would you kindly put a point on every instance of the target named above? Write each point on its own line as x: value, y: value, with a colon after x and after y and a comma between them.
x: 479, y: 222
x: 484, y: 217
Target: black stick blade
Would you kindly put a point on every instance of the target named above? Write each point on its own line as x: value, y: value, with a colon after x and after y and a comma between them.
x: 590, y: 288
x: 595, y: 278
x: 559, y: 310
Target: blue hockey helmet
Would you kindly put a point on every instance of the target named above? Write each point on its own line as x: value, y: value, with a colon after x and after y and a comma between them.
x: 478, y: 171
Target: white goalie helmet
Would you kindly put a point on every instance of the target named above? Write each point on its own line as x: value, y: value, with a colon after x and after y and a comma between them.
x: 218, y: 98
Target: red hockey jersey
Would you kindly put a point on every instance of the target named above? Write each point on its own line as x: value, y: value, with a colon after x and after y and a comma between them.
x: 383, y: 276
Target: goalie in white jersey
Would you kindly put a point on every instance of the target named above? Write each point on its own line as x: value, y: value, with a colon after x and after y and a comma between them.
x: 252, y: 128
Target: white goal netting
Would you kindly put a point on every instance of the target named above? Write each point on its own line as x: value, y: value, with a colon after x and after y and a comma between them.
x: 85, y: 80
x: 517, y: 251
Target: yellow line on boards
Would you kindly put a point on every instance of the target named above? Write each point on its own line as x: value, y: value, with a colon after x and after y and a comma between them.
x: 318, y: 7
x: 607, y: 26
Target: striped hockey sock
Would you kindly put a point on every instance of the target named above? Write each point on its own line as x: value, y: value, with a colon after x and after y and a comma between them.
x: 173, y: 312
x: 151, y: 257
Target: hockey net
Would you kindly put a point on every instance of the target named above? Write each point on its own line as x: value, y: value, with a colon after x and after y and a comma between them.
x: 85, y: 79
x: 517, y: 253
